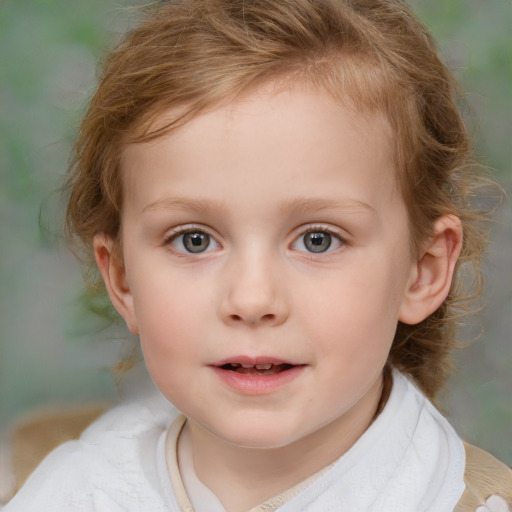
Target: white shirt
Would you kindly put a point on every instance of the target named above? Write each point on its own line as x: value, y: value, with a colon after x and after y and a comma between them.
x: 409, y: 460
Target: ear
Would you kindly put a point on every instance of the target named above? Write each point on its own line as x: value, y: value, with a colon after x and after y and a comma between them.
x: 432, y: 276
x: 114, y: 275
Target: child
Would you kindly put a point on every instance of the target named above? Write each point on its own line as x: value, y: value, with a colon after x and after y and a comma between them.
x: 276, y: 193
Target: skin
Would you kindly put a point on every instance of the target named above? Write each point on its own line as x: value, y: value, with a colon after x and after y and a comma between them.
x: 256, y: 175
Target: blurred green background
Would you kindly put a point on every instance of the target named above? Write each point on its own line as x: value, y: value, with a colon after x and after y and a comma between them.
x: 51, y: 350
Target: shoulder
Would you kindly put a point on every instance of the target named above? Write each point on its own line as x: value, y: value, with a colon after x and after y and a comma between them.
x: 109, y: 467
x: 60, y: 482
x: 488, y: 483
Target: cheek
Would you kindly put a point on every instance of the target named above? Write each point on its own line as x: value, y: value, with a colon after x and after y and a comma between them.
x: 354, y: 316
x: 169, y: 316
x: 169, y: 334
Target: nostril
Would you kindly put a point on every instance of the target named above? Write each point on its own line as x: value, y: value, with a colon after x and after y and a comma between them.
x: 265, y: 318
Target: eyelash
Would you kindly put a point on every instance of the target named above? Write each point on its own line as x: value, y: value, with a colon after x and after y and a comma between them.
x: 300, y: 238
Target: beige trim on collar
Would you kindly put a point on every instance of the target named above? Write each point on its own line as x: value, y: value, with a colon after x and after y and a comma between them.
x: 171, y: 456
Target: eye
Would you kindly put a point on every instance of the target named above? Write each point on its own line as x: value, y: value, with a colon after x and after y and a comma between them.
x: 317, y: 241
x: 193, y: 242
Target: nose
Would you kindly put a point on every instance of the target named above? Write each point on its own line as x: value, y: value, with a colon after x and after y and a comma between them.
x: 253, y: 294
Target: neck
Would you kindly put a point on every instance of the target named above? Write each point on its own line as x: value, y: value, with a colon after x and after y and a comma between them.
x: 243, y: 478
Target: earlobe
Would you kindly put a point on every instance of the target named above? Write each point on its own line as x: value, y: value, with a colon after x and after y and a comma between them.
x: 432, y: 276
x: 114, y: 277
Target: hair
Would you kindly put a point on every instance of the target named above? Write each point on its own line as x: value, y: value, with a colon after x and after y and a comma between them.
x: 373, y: 55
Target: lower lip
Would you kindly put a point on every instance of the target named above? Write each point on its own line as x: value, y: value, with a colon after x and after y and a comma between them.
x: 257, y: 384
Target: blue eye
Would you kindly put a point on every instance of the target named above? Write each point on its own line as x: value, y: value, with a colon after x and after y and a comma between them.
x: 318, y: 241
x: 193, y: 242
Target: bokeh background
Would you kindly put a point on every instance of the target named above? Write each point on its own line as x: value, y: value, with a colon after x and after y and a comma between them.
x: 53, y: 350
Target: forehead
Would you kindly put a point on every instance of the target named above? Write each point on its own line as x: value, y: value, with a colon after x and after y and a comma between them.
x: 270, y: 137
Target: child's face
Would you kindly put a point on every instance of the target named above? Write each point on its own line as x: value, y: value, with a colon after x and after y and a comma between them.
x: 269, y: 231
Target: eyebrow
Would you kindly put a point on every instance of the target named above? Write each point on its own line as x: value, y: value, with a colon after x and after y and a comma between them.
x: 310, y: 205
x: 184, y: 203
x: 289, y: 206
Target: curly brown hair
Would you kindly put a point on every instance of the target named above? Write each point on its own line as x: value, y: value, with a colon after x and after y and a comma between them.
x: 373, y: 55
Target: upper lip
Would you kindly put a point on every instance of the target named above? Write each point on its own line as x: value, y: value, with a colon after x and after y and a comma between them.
x: 252, y: 361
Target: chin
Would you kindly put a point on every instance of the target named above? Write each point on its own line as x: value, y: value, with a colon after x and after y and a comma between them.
x: 258, y: 436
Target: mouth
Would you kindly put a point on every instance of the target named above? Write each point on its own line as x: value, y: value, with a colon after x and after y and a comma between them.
x: 257, y: 369
x: 257, y: 375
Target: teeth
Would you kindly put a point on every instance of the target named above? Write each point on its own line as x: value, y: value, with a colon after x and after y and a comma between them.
x: 234, y: 366
x: 264, y: 366
x: 257, y: 366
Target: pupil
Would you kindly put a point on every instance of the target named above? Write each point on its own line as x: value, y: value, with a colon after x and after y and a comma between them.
x: 317, y: 241
x: 196, y: 242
